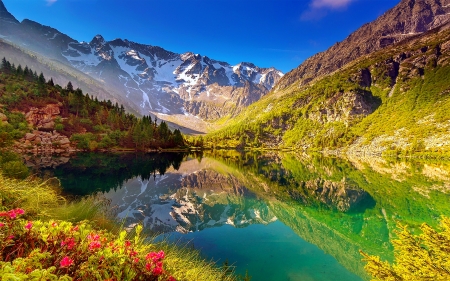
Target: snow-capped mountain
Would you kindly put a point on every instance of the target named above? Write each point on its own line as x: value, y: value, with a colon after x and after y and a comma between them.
x: 150, y: 79
x: 160, y: 81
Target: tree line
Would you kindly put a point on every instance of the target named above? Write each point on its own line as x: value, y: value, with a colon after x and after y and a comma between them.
x: 88, y: 122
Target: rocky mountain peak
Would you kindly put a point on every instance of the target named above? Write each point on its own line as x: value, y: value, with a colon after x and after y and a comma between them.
x: 5, y: 15
x: 97, y: 41
x: 409, y: 18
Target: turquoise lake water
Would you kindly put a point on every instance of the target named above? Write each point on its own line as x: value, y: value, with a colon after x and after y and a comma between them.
x: 277, y: 216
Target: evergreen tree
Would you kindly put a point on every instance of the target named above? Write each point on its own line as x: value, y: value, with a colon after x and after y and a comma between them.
x: 26, y: 71
x: 50, y: 82
x: 41, y: 78
x: 69, y: 87
x: 4, y: 64
x: 19, y: 70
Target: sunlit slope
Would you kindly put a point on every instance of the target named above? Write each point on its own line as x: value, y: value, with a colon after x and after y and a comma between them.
x: 397, y: 98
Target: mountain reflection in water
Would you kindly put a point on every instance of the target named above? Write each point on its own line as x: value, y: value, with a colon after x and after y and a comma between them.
x: 338, y: 205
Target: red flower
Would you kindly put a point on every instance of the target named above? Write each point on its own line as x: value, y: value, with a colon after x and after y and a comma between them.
x: 150, y: 255
x: 157, y: 271
x: 2, y: 224
x: 75, y: 228
x: 171, y: 279
x: 66, y: 261
x: 19, y: 211
x: 54, y: 224
x: 29, y: 225
x: 127, y: 243
x: 70, y: 242
x: 136, y: 260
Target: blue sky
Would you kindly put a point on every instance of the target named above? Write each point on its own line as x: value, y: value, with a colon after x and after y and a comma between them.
x: 279, y: 33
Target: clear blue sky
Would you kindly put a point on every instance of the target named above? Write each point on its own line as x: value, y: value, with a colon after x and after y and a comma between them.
x: 279, y: 33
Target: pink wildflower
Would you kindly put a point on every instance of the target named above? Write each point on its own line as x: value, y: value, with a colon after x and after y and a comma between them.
x: 171, y: 279
x: 94, y: 245
x: 127, y: 243
x: 2, y: 224
x: 66, y: 261
x: 12, y: 214
x: 160, y: 255
x: 136, y: 260
x: 19, y: 211
x: 29, y: 225
x: 54, y: 224
x: 93, y: 237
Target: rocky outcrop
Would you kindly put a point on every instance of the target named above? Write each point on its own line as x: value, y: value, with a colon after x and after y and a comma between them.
x: 408, y: 19
x: 345, y: 107
x: 43, y: 118
x: 39, y: 142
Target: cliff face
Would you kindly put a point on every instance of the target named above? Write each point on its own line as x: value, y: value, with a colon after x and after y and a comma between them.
x: 409, y: 18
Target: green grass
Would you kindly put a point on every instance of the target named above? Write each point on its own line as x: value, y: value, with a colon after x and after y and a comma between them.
x: 299, y: 116
x: 42, y: 200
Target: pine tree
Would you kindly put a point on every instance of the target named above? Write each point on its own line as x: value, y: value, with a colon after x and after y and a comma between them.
x: 69, y: 87
x: 41, y: 79
x: 4, y: 64
x: 19, y: 70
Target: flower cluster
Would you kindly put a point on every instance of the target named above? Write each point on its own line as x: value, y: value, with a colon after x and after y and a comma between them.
x: 75, y: 251
x: 12, y: 214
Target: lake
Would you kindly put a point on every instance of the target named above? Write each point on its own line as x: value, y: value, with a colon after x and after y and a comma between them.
x: 281, y: 216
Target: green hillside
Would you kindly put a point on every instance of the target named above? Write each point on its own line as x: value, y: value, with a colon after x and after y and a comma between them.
x: 396, y: 99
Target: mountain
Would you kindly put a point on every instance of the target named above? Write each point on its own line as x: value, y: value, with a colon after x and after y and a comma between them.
x: 407, y: 19
x: 392, y: 101
x: 184, y: 88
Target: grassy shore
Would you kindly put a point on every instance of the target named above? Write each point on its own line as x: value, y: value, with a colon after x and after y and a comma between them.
x: 43, y: 204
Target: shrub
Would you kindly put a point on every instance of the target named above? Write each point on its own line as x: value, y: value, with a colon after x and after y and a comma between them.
x: 417, y: 257
x: 60, y: 250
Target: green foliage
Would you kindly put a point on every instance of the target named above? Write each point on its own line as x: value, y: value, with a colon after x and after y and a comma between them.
x: 417, y: 257
x: 12, y: 166
x: 327, y: 112
x: 79, y: 114
x: 75, y: 251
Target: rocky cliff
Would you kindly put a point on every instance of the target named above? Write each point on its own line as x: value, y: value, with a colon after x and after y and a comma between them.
x: 408, y: 19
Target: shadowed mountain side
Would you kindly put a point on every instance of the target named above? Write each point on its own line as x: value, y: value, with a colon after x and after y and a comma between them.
x: 407, y: 19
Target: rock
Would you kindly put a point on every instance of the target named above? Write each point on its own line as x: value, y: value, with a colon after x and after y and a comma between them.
x: 43, y: 117
x: 30, y: 137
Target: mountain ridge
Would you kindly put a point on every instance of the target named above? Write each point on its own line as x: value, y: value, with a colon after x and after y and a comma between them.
x: 187, y: 87
x: 406, y: 19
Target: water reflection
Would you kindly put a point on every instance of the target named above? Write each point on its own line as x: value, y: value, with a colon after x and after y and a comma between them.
x: 338, y: 205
